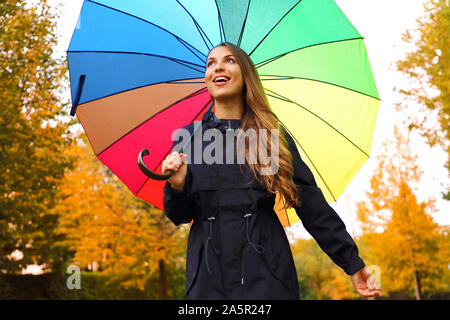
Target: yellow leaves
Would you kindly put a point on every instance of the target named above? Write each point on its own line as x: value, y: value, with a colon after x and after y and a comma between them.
x: 107, y: 225
x: 32, y: 163
x: 429, y: 68
x: 408, y: 247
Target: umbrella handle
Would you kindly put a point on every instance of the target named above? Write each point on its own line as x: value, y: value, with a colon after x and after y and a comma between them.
x: 149, y: 173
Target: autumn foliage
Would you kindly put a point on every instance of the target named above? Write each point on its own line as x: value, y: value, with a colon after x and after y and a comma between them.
x: 60, y: 205
x: 398, y: 229
x: 112, y: 231
x: 32, y: 137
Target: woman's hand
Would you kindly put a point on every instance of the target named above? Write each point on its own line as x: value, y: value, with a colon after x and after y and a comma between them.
x: 364, y: 283
x: 178, y: 163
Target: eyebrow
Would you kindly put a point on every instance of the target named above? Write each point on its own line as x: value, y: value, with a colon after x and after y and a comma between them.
x: 229, y: 55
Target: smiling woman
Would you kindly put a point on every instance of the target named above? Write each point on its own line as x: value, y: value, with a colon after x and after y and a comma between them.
x: 138, y: 66
x: 241, y: 96
x: 224, y: 81
x: 237, y: 247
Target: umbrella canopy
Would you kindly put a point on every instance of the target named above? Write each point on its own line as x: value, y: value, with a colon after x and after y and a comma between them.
x: 137, y: 74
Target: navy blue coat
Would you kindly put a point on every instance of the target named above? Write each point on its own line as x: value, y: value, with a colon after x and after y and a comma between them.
x: 237, y: 247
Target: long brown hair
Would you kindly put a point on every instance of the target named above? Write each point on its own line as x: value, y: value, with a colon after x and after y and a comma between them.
x: 257, y: 114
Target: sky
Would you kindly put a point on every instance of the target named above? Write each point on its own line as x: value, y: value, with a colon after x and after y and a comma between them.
x: 381, y: 23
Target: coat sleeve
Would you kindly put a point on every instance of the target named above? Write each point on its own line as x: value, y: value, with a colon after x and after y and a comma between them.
x: 179, y: 205
x: 320, y: 220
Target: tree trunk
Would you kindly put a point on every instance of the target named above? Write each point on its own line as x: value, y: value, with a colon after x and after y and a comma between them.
x: 415, y: 274
x: 417, y: 285
x: 163, y: 294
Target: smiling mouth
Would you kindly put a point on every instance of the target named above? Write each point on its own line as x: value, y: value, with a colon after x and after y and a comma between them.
x: 221, y: 81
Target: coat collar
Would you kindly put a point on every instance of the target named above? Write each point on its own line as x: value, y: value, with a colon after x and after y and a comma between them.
x: 210, y: 120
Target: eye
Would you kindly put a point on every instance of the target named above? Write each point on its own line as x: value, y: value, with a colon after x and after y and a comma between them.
x: 209, y: 63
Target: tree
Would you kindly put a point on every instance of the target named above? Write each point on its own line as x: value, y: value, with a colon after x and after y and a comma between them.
x: 32, y: 137
x: 429, y: 65
x: 113, y: 232
x: 319, y: 278
x: 403, y: 240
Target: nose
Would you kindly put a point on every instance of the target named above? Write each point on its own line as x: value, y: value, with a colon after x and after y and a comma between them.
x: 218, y: 67
x: 216, y: 70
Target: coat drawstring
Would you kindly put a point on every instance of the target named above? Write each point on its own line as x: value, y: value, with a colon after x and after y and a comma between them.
x: 211, y: 240
x: 257, y: 247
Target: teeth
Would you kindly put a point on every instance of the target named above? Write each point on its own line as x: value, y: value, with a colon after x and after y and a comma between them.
x: 220, y: 78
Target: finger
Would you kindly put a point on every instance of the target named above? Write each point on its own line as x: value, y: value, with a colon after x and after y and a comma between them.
x: 373, y: 283
x: 172, y: 156
x: 175, y: 157
x: 175, y: 161
x: 374, y: 286
x: 375, y: 293
x: 369, y: 283
x: 171, y: 167
x: 369, y: 293
x: 166, y: 170
x: 182, y: 159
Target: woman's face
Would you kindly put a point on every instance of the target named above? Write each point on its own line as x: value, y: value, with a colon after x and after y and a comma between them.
x: 222, y: 62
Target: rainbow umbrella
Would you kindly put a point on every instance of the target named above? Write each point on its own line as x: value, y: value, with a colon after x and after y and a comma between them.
x: 136, y: 71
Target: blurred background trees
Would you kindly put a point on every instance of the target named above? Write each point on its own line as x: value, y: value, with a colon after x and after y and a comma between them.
x: 112, y: 232
x: 32, y: 137
x: 59, y: 205
x: 428, y: 66
x: 400, y: 234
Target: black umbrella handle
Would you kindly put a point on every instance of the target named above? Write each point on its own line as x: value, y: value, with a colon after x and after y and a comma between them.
x: 149, y: 173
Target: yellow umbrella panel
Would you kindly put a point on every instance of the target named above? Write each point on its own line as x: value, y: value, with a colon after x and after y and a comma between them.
x: 331, y: 115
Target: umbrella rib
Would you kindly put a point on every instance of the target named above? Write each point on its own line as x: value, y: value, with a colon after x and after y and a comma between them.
x: 199, y: 28
x: 310, y: 160
x: 183, y: 82
x: 182, y: 62
x: 317, y: 116
x: 136, y: 17
x: 280, y: 98
x: 277, y: 77
x: 274, y: 27
x: 243, y: 25
x: 171, y: 148
x: 222, y: 31
x: 153, y: 115
x: 321, y: 81
x: 263, y: 63
x: 143, y: 86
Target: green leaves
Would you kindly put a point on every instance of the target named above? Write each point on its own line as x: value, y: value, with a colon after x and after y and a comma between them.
x: 32, y: 161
